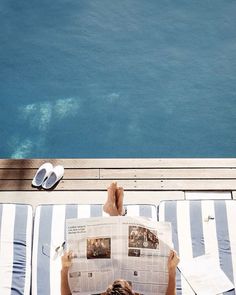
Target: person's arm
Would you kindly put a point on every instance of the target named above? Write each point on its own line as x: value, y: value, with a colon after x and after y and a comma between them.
x: 173, y: 261
x: 65, y: 264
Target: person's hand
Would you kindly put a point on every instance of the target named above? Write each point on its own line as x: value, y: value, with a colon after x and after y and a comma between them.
x: 173, y: 261
x: 65, y: 263
x: 66, y: 260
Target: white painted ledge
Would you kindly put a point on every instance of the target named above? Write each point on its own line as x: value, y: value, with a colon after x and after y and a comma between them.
x: 208, y: 195
x: 86, y: 197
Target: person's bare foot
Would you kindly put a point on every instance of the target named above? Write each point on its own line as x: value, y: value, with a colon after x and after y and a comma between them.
x: 110, y: 205
x: 119, y: 200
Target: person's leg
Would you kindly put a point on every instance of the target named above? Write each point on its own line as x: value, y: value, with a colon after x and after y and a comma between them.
x: 119, y: 200
x: 110, y: 205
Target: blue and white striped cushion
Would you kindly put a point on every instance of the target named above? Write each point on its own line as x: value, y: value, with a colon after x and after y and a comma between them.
x: 193, y: 235
x: 15, y: 249
x: 49, y: 232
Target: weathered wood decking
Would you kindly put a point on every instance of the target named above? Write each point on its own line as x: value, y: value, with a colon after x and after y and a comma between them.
x: 145, y: 180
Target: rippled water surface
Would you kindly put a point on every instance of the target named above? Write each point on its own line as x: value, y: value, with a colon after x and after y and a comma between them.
x: 117, y: 78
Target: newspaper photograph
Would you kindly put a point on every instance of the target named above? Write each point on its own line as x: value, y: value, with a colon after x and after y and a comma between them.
x: 105, y: 249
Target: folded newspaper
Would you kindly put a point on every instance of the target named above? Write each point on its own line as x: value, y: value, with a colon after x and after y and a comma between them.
x: 110, y: 248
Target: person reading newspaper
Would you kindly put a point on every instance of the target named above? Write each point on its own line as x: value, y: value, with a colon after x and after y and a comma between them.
x: 114, y: 207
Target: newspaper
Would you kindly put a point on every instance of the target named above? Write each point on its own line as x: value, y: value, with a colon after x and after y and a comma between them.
x: 215, y: 281
x: 109, y: 248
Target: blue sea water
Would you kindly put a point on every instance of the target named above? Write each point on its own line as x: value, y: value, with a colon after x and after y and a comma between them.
x: 102, y: 78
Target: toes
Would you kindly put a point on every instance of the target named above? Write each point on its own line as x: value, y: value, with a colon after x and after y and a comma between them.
x: 112, y: 186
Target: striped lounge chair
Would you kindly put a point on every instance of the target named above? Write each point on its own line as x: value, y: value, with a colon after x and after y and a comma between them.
x: 200, y: 227
x: 49, y: 232
x: 15, y: 249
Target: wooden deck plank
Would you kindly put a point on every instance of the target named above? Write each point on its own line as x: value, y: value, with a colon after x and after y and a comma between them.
x: 123, y: 163
x: 182, y: 184
x: 26, y: 173
x: 198, y: 173
x: 133, y: 174
x: 152, y: 173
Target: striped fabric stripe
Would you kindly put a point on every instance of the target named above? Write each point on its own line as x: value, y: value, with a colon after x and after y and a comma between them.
x: 7, y: 250
x: 142, y: 210
x: 170, y: 214
x: 231, y: 211
x: 223, y: 242
x: 35, y: 250
x: 184, y: 230
x: 195, y: 234
x: 57, y: 238
x: 49, y: 232
x: 29, y: 232
x: 15, y: 249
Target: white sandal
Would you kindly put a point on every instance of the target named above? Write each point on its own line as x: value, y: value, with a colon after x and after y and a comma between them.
x: 42, y: 173
x: 55, y: 175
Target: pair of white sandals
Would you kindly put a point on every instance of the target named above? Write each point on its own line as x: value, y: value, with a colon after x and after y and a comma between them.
x: 47, y: 175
